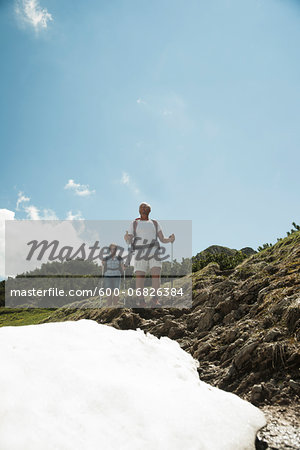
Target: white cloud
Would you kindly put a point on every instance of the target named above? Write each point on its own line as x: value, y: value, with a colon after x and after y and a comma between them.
x: 22, y: 232
x: 82, y: 190
x: 48, y: 214
x: 35, y: 214
x: 32, y: 212
x: 30, y: 12
x: 5, y: 214
x: 21, y: 199
x: 141, y: 101
x: 71, y: 216
x: 127, y: 181
x: 125, y: 178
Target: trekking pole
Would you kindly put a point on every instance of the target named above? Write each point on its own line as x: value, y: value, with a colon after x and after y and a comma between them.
x: 171, y: 271
x: 124, y: 285
x: 172, y: 264
x: 128, y: 260
x: 102, y: 284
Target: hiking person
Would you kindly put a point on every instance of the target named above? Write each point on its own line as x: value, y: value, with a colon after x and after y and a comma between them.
x: 112, y: 270
x: 143, y: 236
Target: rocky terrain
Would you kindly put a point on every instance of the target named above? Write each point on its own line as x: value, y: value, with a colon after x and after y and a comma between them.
x: 243, y: 328
x: 282, y: 429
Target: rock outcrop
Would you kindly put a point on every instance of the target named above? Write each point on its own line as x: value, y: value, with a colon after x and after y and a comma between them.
x: 220, y: 249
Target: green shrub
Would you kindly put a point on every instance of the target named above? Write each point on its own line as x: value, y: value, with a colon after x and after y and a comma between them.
x: 224, y: 260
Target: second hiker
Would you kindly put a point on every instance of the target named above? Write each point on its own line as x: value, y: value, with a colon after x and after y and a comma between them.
x: 112, y: 270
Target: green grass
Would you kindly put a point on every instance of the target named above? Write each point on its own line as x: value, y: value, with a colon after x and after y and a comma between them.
x: 17, y: 317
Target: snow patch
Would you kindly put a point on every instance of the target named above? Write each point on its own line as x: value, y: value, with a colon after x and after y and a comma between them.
x: 81, y: 385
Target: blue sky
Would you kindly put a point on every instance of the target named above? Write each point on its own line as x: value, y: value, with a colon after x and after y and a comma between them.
x: 191, y: 106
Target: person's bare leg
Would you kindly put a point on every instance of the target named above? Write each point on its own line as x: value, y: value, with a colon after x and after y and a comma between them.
x: 140, y: 283
x: 155, y: 273
x: 109, y: 301
x: 115, y: 300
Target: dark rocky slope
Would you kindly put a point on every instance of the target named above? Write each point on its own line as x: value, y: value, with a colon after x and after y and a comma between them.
x: 243, y: 327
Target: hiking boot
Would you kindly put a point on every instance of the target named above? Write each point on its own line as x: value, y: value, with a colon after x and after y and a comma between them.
x: 142, y: 303
x: 154, y: 303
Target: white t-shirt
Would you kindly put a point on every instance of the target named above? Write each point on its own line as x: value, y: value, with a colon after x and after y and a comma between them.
x: 145, y: 230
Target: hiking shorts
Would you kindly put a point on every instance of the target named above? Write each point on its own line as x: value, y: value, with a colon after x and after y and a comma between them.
x: 145, y: 265
x: 112, y: 282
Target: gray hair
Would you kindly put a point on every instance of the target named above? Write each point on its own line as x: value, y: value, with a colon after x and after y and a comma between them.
x: 145, y: 203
